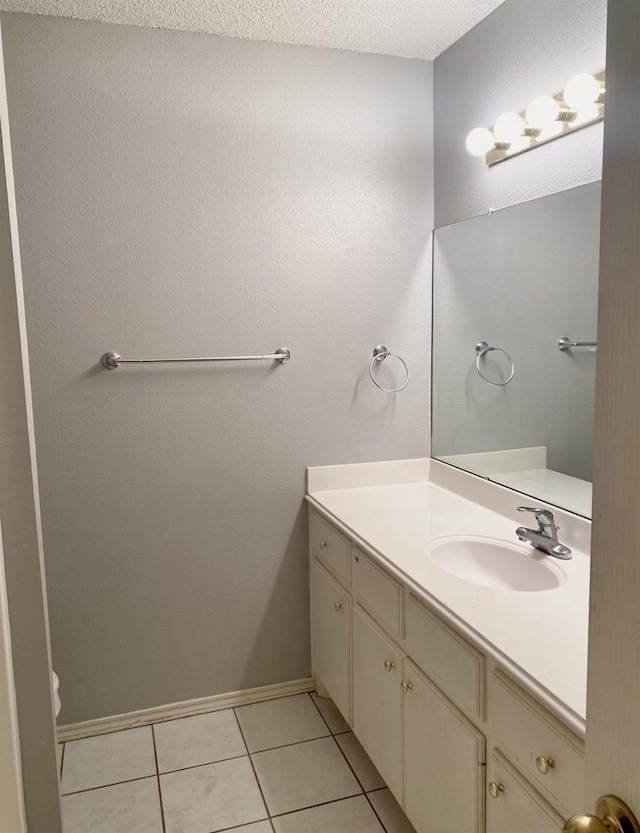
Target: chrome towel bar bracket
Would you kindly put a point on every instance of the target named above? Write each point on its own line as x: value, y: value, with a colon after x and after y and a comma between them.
x: 112, y: 361
x: 565, y: 344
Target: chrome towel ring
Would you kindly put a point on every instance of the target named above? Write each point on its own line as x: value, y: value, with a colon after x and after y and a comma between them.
x: 482, y: 348
x: 379, y: 355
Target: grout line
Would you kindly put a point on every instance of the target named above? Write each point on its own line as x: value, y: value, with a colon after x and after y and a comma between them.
x: 155, y: 756
x: 317, y: 708
x: 350, y: 767
x: 145, y: 723
x: 199, y: 766
x: 284, y: 745
x: 112, y: 784
x: 253, y: 769
x: 239, y: 826
x: 375, y: 812
x: 355, y: 774
x: 342, y: 752
x: 314, y: 806
x: 343, y: 732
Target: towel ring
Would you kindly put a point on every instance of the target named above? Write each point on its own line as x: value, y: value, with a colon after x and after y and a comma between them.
x: 379, y: 355
x: 482, y: 348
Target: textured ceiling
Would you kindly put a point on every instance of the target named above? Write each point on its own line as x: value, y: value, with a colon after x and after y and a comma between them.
x: 411, y: 28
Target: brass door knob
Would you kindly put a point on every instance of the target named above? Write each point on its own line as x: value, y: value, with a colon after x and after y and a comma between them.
x: 495, y: 789
x: 389, y: 665
x: 337, y: 607
x: 612, y: 816
x: 544, y: 764
x: 405, y: 686
x: 323, y: 545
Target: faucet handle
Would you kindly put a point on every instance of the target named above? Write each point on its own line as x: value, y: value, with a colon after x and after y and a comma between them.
x: 543, y: 516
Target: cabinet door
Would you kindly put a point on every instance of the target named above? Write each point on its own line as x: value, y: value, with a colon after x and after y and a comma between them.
x: 330, y: 632
x: 444, y: 757
x: 512, y: 804
x: 377, y: 698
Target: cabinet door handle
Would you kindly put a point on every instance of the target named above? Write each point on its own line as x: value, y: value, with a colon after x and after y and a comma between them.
x: 323, y: 545
x: 495, y: 789
x: 389, y: 665
x: 544, y: 764
x: 406, y: 686
x: 338, y: 607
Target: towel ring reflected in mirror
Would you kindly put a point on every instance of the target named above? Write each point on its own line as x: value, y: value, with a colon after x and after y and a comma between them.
x: 379, y: 355
x: 482, y: 348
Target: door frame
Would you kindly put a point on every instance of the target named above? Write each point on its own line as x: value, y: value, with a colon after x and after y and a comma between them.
x: 613, y: 711
x: 23, y: 564
x: 12, y: 815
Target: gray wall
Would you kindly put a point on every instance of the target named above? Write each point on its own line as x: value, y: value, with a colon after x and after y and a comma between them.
x: 20, y: 541
x: 184, y: 194
x: 518, y: 279
x: 520, y: 50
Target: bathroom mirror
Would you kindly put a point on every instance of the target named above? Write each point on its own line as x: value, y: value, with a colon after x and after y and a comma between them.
x: 508, y: 403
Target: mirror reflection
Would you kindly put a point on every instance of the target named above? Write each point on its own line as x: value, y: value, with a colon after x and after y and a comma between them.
x: 514, y: 345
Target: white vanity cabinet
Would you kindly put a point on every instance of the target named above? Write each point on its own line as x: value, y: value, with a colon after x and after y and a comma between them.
x: 377, y: 698
x: 444, y: 756
x: 331, y: 626
x: 513, y: 805
x: 463, y: 748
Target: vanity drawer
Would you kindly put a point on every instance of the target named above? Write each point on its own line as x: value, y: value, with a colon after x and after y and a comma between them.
x: 534, y: 737
x: 380, y: 594
x: 457, y: 668
x: 328, y: 545
x: 513, y: 805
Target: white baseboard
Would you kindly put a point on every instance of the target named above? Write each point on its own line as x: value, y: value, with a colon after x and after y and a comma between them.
x: 102, y: 725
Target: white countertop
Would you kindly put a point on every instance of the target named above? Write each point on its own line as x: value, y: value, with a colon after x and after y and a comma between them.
x: 542, y: 636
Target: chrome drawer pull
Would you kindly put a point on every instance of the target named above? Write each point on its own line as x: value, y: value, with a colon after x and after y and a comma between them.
x: 338, y: 607
x: 323, y: 545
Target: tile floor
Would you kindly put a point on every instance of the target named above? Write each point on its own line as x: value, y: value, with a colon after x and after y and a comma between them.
x: 289, y: 765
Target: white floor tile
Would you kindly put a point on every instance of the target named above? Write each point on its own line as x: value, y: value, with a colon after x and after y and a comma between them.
x: 390, y: 812
x: 202, y: 739
x: 328, y: 709
x: 295, y: 777
x: 124, y: 808
x: 108, y: 759
x: 212, y: 797
x: 360, y: 762
x: 258, y: 827
x: 280, y: 722
x: 353, y: 815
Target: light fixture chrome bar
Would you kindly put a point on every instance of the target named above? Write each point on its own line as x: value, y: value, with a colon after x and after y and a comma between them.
x: 567, y: 122
x: 112, y: 361
x: 565, y: 344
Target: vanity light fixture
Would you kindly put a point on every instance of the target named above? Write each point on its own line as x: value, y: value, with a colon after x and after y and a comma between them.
x: 546, y: 118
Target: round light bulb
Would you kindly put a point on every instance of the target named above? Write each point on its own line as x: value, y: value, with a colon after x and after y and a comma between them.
x: 480, y: 141
x: 508, y: 127
x: 551, y: 130
x: 581, y: 91
x: 519, y: 144
x: 586, y: 113
x: 542, y: 111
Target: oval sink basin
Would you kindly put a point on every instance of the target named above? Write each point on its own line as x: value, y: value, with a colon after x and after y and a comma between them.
x: 494, y: 564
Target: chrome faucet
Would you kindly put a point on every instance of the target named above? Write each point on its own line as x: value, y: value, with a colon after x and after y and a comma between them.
x: 545, y: 537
